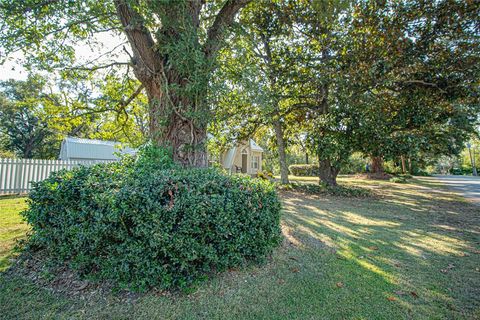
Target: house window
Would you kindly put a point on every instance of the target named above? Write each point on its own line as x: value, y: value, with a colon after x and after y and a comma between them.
x: 255, y: 161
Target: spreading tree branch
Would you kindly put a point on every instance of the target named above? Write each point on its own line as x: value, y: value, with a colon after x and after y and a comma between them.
x: 132, y: 97
x: 141, y: 40
x: 222, y: 21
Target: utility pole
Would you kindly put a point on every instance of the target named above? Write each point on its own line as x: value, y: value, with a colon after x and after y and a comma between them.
x: 472, y: 159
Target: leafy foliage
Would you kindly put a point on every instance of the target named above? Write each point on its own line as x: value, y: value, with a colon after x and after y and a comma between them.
x: 402, y: 80
x: 34, y: 118
x: 340, y: 191
x: 24, y: 130
x: 398, y: 179
x: 143, y: 225
x: 173, y: 47
x: 304, y: 170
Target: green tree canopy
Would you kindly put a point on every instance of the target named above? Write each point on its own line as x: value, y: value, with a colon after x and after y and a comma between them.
x: 25, y: 133
x: 173, y: 45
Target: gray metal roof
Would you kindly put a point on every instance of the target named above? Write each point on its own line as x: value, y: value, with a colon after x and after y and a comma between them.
x: 79, y: 148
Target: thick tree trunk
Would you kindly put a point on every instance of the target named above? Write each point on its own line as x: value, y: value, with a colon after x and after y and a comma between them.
x: 327, y: 173
x: 377, y: 166
x: 171, y: 126
x: 27, y: 151
x: 378, y: 171
x: 404, y: 167
x: 277, y: 125
x: 178, y: 114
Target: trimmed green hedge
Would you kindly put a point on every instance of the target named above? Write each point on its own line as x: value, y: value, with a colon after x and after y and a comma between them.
x: 157, y: 227
x: 304, y: 170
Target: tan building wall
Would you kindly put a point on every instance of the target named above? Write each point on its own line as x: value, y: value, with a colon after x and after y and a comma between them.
x: 238, y: 162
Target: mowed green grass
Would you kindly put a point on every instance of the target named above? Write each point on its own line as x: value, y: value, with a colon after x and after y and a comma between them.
x: 411, y: 253
x: 12, y: 227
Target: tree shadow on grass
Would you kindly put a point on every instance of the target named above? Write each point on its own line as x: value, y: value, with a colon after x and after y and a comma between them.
x: 409, y: 253
x: 423, y: 242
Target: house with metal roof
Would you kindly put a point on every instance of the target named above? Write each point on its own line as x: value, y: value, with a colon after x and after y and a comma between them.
x: 89, y: 149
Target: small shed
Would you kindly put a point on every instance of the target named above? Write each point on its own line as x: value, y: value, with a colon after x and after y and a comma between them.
x: 90, y: 149
x: 244, y: 157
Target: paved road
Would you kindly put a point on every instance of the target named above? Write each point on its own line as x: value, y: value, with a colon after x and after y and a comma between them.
x: 468, y: 186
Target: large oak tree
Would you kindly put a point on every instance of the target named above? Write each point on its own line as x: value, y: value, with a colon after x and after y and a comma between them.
x: 173, y: 44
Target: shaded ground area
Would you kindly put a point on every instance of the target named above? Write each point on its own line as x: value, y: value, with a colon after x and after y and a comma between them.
x: 412, y: 252
x: 467, y: 186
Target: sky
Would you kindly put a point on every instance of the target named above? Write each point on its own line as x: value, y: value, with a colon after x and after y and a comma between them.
x: 13, y: 69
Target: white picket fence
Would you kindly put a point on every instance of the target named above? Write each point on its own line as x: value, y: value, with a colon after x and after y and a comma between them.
x: 16, y: 175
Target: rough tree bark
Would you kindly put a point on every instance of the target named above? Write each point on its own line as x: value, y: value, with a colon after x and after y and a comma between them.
x: 282, y: 156
x: 404, y: 167
x: 176, y: 120
x: 377, y: 166
x: 327, y: 173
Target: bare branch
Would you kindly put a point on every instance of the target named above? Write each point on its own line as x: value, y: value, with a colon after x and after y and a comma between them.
x: 105, y: 66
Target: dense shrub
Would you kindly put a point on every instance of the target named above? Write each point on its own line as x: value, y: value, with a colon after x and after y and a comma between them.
x: 462, y: 170
x: 304, y: 170
x: 427, y: 171
x: 341, y: 191
x: 398, y: 179
x: 355, y: 164
x: 391, y: 167
x: 266, y: 175
x: 156, y: 227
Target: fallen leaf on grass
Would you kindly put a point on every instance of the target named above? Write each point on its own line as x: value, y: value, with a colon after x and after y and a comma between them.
x: 295, y: 270
x: 414, y: 294
x: 373, y: 248
x: 281, y: 281
x: 339, y: 284
x: 391, y: 298
x: 400, y: 293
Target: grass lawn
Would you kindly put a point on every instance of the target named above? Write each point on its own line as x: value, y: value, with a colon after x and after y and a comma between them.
x: 11, y: 227
x: 411, y: 253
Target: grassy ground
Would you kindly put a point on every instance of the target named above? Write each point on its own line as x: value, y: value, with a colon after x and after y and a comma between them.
x: 11, y: 227
x: 413, y: 252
